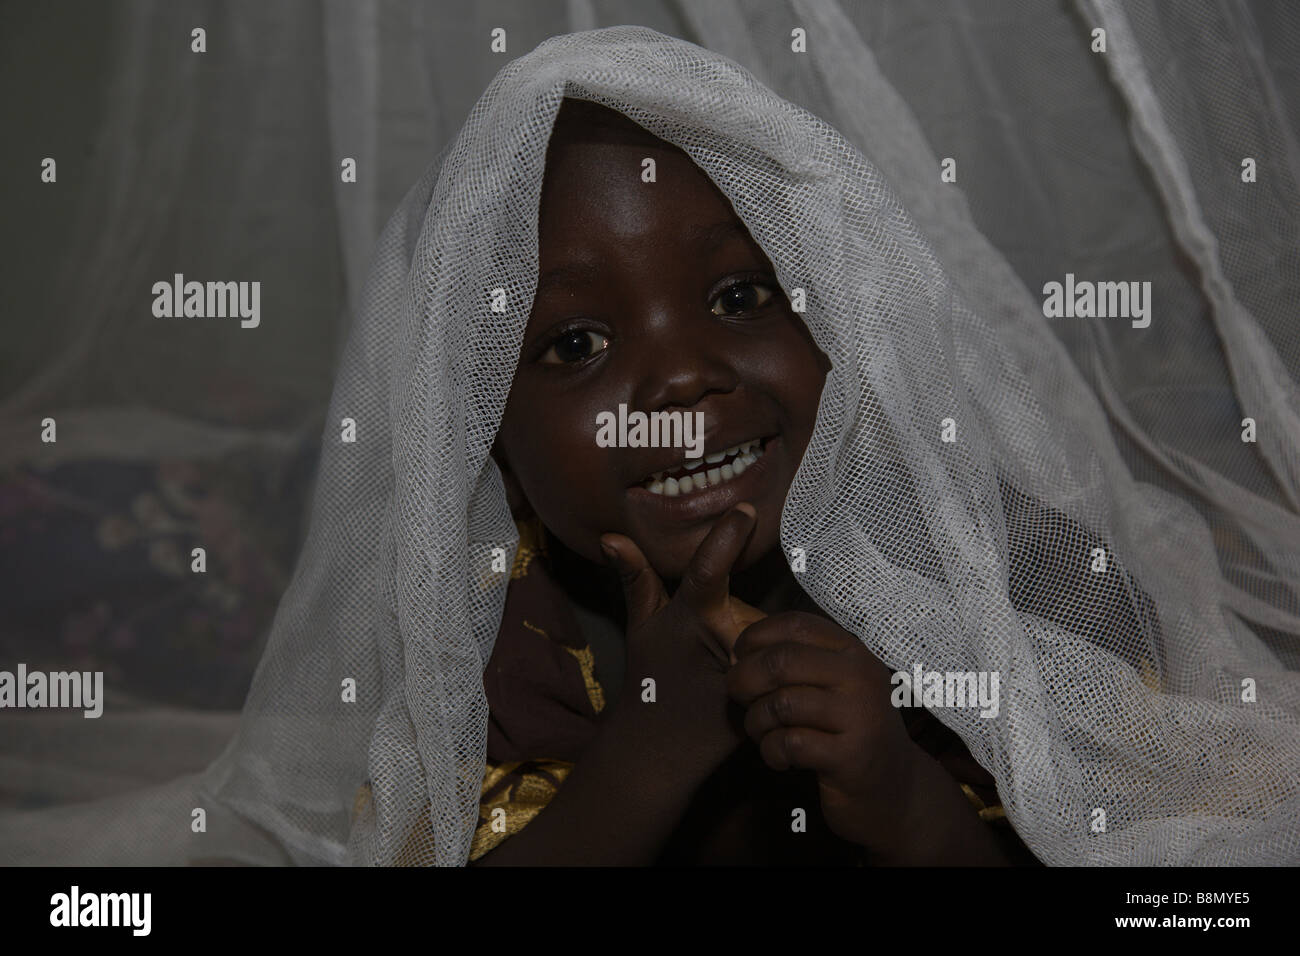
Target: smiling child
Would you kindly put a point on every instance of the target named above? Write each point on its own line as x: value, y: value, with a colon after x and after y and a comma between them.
x: 692, y: 660
x: 769, y: 737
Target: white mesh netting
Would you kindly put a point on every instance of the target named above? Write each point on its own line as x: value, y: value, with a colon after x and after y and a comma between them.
x: 1120, y: 690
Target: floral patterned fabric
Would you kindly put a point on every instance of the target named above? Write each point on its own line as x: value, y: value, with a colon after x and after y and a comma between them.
x: 99, y: 571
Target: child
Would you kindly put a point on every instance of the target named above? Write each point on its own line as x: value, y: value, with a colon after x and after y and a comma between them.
x: 683, y: 310
x: 744, y: 723
x: 952, y: 510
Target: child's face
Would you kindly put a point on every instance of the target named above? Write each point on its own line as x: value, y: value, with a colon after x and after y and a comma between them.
x: 648, y: 326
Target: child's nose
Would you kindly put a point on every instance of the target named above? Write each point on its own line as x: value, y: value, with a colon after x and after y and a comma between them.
x: 671, y: 371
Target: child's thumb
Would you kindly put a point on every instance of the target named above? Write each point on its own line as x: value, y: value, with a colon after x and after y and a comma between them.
x: 643, y: 592
x: 742, y: 615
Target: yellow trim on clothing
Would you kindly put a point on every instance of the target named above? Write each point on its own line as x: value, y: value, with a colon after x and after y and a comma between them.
x: 587, y: 661
x: 532, y: 542
x: 519, y: 803
x: 989, y: 813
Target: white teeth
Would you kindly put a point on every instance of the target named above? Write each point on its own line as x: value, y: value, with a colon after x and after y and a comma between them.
x: 742, y: 456
x: 717, y: 457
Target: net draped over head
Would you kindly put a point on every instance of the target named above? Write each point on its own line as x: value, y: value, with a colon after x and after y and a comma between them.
x: 1121, y: 689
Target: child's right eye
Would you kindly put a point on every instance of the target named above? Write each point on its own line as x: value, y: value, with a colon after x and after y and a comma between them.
x: 573, y: 345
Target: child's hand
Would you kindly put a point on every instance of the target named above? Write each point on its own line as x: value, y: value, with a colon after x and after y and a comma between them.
x: 684, y: 643
x: 816, y: 698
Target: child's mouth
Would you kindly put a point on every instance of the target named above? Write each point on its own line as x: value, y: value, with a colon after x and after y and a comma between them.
x: 709, y: 498
x: 714, y: 469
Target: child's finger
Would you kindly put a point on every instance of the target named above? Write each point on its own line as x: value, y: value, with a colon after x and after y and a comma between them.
x: 798, y: 626
x: 704, y: 586
x: 643, y: 592
x: 802, y: 747
x: 779, y: 665
x: 794, y: 706
x: 742, y: 615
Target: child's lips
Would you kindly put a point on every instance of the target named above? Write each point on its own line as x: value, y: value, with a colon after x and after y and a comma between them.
x: 714, y: 500
x: 676, y: 461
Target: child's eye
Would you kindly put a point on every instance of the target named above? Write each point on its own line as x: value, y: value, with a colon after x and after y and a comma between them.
x: 742, y: 297
x: 573, y: 345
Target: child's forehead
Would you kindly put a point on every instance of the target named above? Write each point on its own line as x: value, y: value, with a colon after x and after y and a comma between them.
x: 579, y: 115
x: 581, y: 123
x: 589, y: 139
x: 598, y: 198
x: 598, y: 194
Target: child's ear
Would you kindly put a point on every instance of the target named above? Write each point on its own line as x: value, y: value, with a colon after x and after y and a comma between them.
x: 515, y: 497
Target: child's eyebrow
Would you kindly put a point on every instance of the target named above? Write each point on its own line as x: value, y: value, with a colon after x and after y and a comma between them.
x: 576, y: 273
x: 707, y: 238
x: 710, y: 237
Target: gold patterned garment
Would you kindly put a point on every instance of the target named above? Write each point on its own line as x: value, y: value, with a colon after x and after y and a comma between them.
x: 544, y: 701
x: 543, y: 698
x: 542, y: 693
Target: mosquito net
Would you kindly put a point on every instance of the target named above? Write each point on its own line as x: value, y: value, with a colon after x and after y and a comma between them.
x: 976, y: 496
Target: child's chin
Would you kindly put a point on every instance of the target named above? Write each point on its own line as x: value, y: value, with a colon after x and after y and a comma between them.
x: 672, y: 569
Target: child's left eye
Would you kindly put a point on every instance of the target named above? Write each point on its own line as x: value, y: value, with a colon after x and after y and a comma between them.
x: 742, y: 297
x: 573, y: 345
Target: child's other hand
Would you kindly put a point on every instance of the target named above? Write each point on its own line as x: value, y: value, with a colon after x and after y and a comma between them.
x: 683, y: 643
x: 816, y: 698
